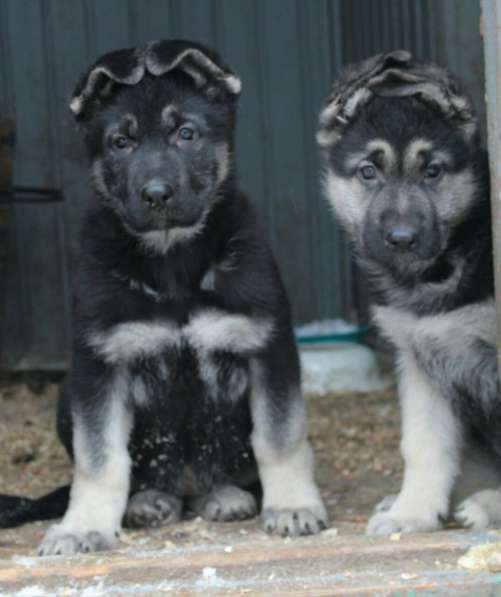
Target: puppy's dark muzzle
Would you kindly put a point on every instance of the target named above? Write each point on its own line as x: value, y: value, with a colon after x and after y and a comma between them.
x: 156, y: 195
x: 401, y: 238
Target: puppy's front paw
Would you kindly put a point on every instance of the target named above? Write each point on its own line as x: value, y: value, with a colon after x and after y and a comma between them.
x: 293, y: 522
x: 59, y: 542
x: 391, y: 521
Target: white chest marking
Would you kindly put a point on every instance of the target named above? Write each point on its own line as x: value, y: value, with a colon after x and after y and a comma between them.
x: 132, y: 340
x: 455, y: 329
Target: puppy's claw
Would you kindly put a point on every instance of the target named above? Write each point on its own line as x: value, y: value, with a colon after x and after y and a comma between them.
x: 291, y: 523
x: 58, y: 542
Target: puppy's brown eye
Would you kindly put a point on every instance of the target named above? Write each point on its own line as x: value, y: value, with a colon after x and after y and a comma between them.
x: 433, y: 171
x: 186, y: 133
x: 368, y: 172
x: 121, y: 142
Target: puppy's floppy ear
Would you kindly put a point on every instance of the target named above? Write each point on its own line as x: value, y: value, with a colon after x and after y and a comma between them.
x: 125, y: 67
x: 394, y: 75
x: 351, y: 91
x: 202, y: 64
x: 433, y: 86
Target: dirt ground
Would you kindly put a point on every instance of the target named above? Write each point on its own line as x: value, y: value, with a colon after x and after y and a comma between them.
x: 355, y: 438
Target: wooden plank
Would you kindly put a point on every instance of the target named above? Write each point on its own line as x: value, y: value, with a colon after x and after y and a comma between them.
x: 491, y: 24
x: 315, y: 566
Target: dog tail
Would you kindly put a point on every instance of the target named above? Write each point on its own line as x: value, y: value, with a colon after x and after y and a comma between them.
x: 16, y: 510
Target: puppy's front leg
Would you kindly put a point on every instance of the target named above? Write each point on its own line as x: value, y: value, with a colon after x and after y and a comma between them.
x: 100, y: 485
x: 291, y: 501
x: 431, y: 447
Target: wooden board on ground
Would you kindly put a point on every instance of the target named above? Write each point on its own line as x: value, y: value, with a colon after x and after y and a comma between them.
x: 196, y: 558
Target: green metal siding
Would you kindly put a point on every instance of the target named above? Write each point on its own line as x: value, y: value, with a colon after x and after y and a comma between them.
x: 287, y: 53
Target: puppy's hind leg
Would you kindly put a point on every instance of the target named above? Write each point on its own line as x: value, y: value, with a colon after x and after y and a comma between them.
x: 477, y: 495
x: 101, y: 477
x: 480, y: 511
x: 291, y: 501
x: 153, y: 508
x: 225, y: 504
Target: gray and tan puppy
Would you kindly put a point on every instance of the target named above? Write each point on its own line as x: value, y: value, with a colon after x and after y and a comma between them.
x: 406, y: 176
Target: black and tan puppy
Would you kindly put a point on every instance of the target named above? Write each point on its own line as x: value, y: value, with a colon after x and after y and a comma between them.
x: 405, y: 174
x: 184, y: 387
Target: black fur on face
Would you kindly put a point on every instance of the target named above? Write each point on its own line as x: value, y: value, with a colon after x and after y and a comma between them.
x: 160, y: 150
x: 403, y: 180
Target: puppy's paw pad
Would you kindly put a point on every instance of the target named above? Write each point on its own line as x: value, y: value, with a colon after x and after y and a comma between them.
x: 294, y: 522
x: 387, y: 523
x: 471, y: 515
x: 63, y: 543
x: 152, y: 508
x: 386, y: 503
x: 227, y: 504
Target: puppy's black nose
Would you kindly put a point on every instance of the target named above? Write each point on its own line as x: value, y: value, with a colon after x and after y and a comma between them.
x: 401, y: 237
x: 156, y: 194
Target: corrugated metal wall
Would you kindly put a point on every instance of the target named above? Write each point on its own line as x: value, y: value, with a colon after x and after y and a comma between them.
x: 287, y: 53
x: 447, y: 31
